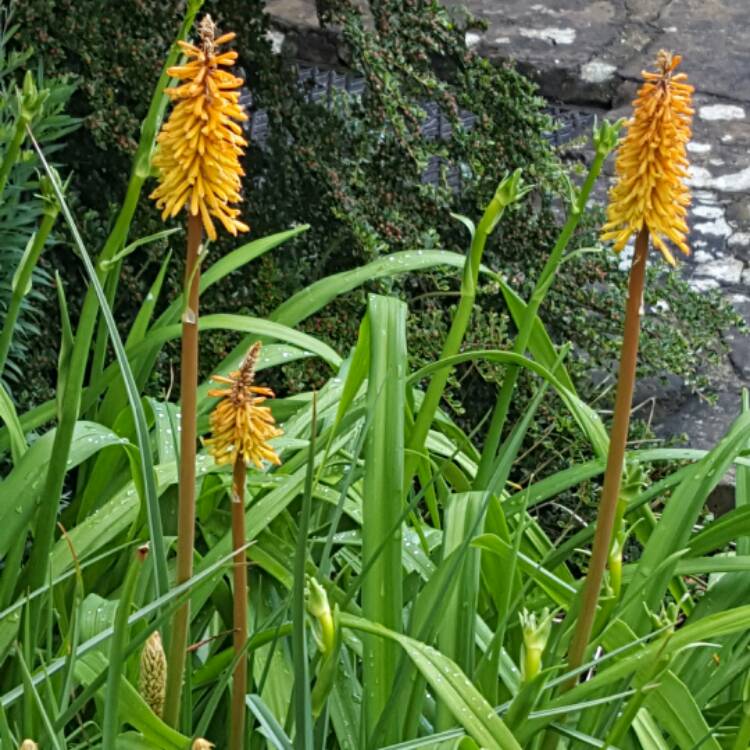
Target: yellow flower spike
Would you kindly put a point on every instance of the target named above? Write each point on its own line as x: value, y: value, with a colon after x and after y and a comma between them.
x: 240, y: 426
x: 652, y: 163
x: 199, y: 147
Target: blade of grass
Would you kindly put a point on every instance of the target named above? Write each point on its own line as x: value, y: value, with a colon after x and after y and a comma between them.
x: 270, y: 727
x: 111, y: 720
x: 456, y: 635
x: 146, y: 461
x: 302, y: 701
x: 31, y: 687
x: 9, y: 415
x: 382, y: 598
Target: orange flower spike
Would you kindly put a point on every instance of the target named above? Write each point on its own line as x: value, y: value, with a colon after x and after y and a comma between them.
x: 199, y: 147
x: 652, y: 163
x: 240, y: 426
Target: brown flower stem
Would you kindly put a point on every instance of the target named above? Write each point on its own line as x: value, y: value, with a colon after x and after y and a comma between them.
x: 239, y: 683
x: 188, y: 437
x: 615, y: 458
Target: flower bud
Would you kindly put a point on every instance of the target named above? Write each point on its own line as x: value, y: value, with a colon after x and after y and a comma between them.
x: 536, y: 633
x: 319, y: 607
x: 606, y: 135
x: 152, y: 684
x: 30, y: 99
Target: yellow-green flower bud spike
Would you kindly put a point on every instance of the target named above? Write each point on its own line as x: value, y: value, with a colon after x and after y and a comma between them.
x: 28, y: 745
x: 319, y: 608
x: 536, y: 632
x: 152, y: 682
x: 201, y: 744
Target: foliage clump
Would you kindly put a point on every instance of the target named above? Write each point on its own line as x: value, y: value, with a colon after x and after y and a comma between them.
x: 355, y: 171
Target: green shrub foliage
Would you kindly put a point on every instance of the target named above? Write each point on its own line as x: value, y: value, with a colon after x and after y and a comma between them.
x: 354, y: 171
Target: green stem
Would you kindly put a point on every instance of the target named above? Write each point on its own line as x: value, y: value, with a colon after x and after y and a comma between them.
x: 22, y: 282
x: 188, y: 438
x: 615, y: 458
x: 453, y: 340
x: 111, y: 722
x: 240, y: 600
x: 500, y: 413
x: 301, y: 697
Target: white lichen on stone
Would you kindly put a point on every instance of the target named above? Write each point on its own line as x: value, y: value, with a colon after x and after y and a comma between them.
x: 276, y: 38
x: 708, y: 212
x: 727, y: 270
x: 472, y: 39
x: 698, y: 148
x: 597, y: 71
x: 739, y: 239
x: 700, y: 177
x: 706, y: 196
x: 544, y: 10
x: 701, y: 256
x: 717, y: 228
x: 550, y: 34
x: 714, y: 112
x: 703, y: 285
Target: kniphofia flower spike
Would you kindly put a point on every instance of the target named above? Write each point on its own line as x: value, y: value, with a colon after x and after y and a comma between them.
x: 240, y: 426
x: 200, y: 145
x: 652, y: 163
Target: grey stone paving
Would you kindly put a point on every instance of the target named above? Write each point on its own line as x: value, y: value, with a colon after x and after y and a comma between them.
x: 588, y: 55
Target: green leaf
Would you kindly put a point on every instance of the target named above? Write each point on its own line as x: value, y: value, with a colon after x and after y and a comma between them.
x: 146, y: 462
x: 588, y: 420
x: 451, y: 685
x: 10, y: 417
x: 382, y: 597
x: 269, y: 726
x: 673, y: 530
x: 302, y: 700
x: 24, y: 485
x: 456, y: 636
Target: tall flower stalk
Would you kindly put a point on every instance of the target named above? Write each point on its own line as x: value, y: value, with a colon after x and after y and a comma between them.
x: 649, y: 200
x: 197, y: 158
x: 241, y: 428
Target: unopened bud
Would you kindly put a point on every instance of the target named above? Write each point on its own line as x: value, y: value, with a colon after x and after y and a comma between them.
x: 536, y: 633
x: 319, y: 607
x: 606, y: 135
